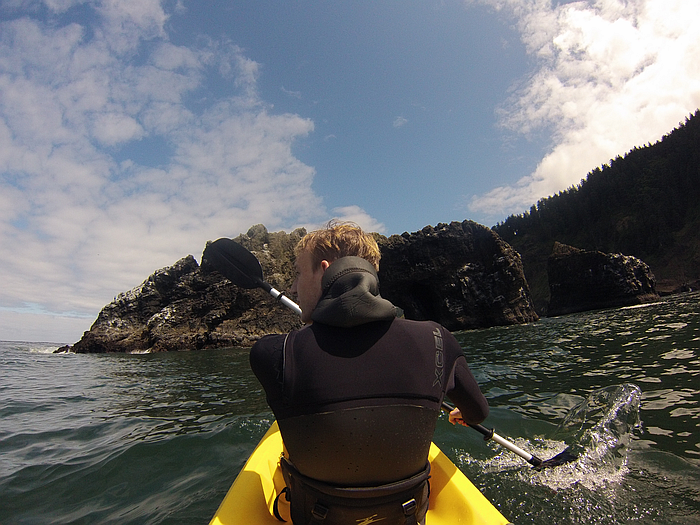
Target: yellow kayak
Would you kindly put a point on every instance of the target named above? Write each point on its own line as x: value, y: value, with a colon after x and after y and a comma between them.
x: 453, y: 498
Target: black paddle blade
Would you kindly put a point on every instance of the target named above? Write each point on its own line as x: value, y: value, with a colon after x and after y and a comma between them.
x: 564, y: 457
x: 234, y: 262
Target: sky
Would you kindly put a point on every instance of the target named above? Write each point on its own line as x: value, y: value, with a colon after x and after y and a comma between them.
x: 134, y: 131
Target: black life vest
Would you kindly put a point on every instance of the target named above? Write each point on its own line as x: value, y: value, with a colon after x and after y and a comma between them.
x: 316, y: 503
x: 360, y: 422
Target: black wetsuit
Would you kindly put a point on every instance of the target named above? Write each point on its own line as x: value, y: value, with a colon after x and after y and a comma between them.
x: 357, y: 393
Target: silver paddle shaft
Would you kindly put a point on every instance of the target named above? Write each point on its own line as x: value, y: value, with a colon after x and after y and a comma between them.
x: 286, y: 301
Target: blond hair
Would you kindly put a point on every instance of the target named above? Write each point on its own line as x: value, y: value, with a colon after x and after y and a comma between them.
x: 339, y: 239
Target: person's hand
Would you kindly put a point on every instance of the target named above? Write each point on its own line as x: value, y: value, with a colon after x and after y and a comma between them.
x: 456, y: 418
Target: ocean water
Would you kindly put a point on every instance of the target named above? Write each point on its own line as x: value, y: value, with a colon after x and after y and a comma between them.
x: 139, y: 439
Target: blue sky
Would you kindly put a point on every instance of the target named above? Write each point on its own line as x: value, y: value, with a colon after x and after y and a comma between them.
x: 133, y: 131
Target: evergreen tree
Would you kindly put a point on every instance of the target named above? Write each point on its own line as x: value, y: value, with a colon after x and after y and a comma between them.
x: 645, y: 204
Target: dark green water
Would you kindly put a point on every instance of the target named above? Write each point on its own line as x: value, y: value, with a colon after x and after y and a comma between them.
x: 159, y: 438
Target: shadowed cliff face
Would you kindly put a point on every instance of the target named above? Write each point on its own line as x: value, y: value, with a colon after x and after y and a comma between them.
x: 589, y: 280
x: 461, y: 275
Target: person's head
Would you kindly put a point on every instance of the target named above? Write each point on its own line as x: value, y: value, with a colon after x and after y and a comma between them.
x: 317, y: 250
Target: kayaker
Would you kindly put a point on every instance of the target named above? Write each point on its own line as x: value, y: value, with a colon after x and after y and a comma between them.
x: 357, y: 391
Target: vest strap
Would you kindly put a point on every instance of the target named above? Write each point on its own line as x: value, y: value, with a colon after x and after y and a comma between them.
x: 409, y: 510
x: 379, y: 491
x: 275, y: 506
x: 324, y: 501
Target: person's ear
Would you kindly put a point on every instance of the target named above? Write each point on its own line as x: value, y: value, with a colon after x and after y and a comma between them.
x: 324, y: 265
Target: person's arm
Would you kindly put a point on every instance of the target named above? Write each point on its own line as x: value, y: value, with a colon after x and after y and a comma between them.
x: 472, y: 406
x: 266, y: 361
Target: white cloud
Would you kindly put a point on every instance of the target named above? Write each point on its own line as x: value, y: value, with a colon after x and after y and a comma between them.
x: 295, y: 94
x: 610, y: 76
x: 40, y: 326
x: 127, y: 22
x: 360, y: 217
x: 61, y: 6
x: 82, y: 217
x: 400, y: 121
x: 114, y: 128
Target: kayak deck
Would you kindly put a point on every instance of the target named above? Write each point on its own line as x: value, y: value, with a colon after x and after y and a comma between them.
x: 453, y: 498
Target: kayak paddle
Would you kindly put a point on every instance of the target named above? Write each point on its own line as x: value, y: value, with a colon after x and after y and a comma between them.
x: 243, y: 269
x: 565, y: 456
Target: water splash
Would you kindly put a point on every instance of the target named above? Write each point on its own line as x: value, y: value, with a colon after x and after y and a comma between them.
x: 600, y: 429
x: 604, y: 424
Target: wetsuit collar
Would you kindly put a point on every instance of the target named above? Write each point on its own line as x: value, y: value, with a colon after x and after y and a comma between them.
x: 350, y: 295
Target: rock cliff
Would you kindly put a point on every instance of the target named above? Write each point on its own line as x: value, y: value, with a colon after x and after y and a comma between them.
x: 461, y: 275
x: 185, y: 308
x: 582, y: 280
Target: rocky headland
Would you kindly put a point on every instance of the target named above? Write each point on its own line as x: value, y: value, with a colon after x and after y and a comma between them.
x: 581, y: 280
x: 188, y: 307
x: 461, y: 275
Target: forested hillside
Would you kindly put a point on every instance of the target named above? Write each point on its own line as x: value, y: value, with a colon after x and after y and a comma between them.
x: 645, y: 204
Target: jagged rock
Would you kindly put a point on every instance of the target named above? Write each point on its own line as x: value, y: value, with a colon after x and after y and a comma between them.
x: 582, y: 280
x: 184, y: 308
x: 462, y: 275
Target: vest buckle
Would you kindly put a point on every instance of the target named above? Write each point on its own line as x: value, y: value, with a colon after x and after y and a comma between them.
x: 319, y: 512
